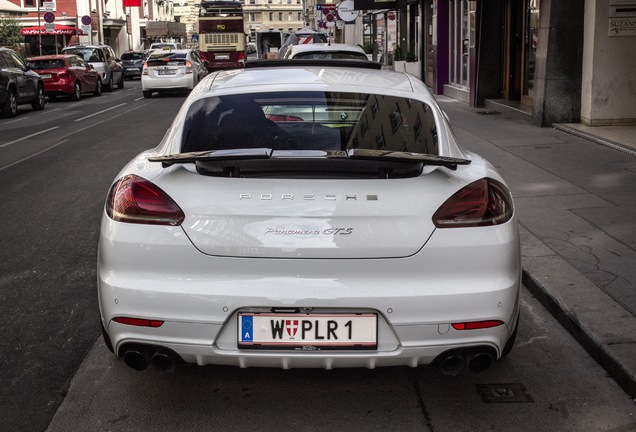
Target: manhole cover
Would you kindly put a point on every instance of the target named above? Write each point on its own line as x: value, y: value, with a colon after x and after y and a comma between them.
x: 488, y: 112
x: 503, y: 393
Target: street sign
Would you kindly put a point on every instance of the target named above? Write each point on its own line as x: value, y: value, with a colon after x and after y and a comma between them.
x: 49, y: 6
x: 86, y: 20
x: 49, y: 27
x: 86, y: 29
x: 49, y: 17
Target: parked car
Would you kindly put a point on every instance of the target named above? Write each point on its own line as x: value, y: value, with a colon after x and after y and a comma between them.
x: 364, y: 239
x: 169, y: 70
x: 19, y: 84
x: 133, y: 63
x: 104, y: 60
x: 170, y: 45
x: 67, y: 75
x: 321, y: 51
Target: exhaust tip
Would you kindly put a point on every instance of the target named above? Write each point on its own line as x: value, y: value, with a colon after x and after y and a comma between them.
x: 163, y: 363
x: 480, y: 362
x: 137, y: 359
x: 452, y: 365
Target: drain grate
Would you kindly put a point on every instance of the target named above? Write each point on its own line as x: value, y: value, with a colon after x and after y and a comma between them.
x: 503, y: 393
x: 488, y: 112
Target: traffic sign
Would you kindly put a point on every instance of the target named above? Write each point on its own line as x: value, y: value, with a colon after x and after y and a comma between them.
x: 49, y: 17
x: 86, y: 20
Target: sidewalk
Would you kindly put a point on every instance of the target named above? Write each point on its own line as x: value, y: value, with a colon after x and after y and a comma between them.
x: 575, y: 198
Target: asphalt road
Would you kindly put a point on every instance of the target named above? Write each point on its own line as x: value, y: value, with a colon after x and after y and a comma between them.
x: 55, y: 169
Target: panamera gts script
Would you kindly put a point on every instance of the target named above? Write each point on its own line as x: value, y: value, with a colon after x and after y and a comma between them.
x: 325, y: 231
x: 305, y: 197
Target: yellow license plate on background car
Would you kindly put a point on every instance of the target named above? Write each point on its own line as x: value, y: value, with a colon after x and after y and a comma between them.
x: 307, y: 331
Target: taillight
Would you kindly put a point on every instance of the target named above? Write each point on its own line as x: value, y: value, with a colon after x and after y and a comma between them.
x: 475, y: 325
x: 241, y: 57
x: 145, y: 70
x: 482, y: 203
x: 133, y: 199
x: 138, y: 322
x: 188, y: 66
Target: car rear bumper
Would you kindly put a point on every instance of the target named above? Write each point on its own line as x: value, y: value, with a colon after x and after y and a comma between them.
x: 155, y: 273
x: 185, y: 82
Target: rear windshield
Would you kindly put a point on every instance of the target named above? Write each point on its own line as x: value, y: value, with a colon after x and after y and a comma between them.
x: 133, y: 56
x: 89, y: 54
x: 167, y: 58
x: 48, y: 64
x: 310, y: 121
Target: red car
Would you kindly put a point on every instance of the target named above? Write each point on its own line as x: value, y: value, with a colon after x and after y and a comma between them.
x: 67, y: 75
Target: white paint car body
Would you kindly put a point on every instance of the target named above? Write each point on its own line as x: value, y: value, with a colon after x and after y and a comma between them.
x: 171, y: 70
x: 295, y: 247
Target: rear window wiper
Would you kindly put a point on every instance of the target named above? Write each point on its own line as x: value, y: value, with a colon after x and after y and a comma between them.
x: 213, y: 155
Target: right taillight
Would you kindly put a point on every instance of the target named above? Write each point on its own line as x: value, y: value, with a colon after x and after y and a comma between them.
x: 133, y: 199
x: 482, y: 203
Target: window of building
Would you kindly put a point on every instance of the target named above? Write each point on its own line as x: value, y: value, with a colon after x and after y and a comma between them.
x: 280, y: 16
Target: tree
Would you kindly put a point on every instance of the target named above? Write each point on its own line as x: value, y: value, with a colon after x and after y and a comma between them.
x: 10, y: 35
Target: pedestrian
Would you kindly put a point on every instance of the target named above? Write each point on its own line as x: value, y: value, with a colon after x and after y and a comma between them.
x: 265, y: 45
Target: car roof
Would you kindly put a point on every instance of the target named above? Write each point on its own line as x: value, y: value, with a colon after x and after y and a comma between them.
x: 311, y: 75
x: 53, y: 57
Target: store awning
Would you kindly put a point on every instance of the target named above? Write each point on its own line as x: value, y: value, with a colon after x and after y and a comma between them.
x: 7, y: 7
x: 58, y: 30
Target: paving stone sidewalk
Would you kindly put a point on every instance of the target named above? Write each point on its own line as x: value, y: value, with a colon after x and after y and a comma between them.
x: 575, y: 200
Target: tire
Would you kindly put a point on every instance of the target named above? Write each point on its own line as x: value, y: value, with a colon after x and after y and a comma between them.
x: 10, y: 107
x: 40, y: 99
x: 109, y: 84
x: 98, y: 88
x: 147, y: 94
x: 77, y: 92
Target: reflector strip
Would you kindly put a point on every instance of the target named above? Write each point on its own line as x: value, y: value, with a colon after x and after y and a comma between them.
x: 477, y: 325
x: 138, y: 322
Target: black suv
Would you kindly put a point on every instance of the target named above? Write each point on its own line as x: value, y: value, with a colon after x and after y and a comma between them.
x: 18, y: 84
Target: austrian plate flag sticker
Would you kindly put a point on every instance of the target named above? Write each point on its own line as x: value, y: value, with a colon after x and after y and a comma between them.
x: 292, y: 327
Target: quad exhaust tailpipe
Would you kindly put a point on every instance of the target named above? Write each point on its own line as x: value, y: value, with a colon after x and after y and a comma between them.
x: 476, y: 360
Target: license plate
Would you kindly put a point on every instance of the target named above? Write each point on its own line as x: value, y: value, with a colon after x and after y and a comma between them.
x: 221, y: 57
x: 46, y: 76
x: 307, y: 332
x: 166, y: 72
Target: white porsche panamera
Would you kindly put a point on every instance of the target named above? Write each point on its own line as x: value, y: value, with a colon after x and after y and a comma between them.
x: 309, y: 214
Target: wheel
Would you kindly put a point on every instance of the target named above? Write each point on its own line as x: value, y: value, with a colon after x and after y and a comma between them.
x: 40, y: 99
x: 120, y: 85
x: 98, y: 88
x: 147, y: 94
x: 10, y: 107
x: 109, y: 84
x: 77, y: 92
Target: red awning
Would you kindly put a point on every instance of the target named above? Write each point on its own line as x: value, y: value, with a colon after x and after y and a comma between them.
x: 59, y: 30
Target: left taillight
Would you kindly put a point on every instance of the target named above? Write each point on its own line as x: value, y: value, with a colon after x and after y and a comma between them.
x: 133, y: 199
x: 188, y: 67
x: 483, y: 202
